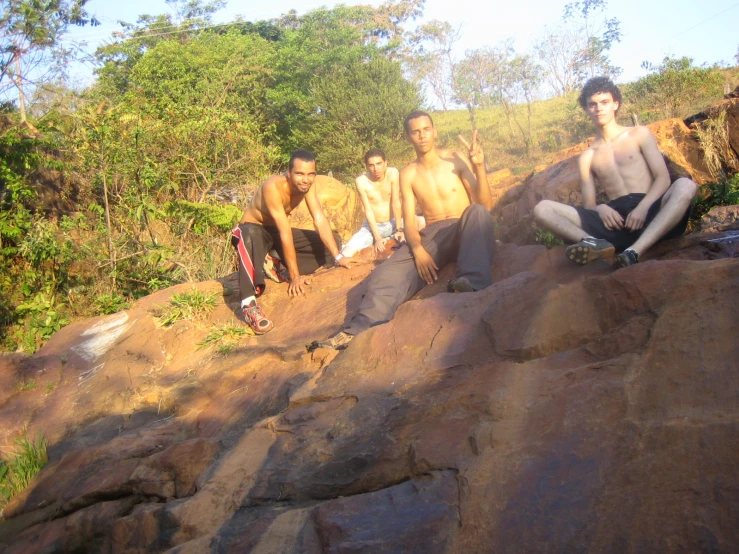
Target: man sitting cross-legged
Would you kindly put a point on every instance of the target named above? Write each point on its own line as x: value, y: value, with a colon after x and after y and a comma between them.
x: 379, y: 192
x: 643, y: 207
x: 456, y: 204
x: 265, y: 225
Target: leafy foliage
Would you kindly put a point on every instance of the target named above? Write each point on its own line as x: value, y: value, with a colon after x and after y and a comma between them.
x: 674, y: 88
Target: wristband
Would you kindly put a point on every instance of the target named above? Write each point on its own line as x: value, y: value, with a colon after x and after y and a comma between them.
x: 337, y: 258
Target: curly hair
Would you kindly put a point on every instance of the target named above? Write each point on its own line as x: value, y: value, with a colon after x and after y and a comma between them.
x: 598, y: 85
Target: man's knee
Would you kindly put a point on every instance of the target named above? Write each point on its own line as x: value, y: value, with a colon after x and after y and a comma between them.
x: 544, y: 210
x: 683, y: 190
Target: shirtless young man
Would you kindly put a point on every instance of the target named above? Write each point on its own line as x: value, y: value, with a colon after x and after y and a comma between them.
x: 455, y: 200
x: 265, y: 225
x: 379, y: 192
x: 643, y: 207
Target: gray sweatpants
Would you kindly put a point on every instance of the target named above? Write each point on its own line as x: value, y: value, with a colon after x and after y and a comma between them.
x: 469, y: 241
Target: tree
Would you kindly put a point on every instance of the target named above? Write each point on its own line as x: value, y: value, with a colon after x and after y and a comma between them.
x: 361, y: 107
x: 31, y: 52
x: 577, y: 49
x: 430, y: 60
x: 673, y: 88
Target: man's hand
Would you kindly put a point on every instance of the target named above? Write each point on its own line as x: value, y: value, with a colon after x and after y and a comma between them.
x: 610, y: 217
x: 296, y: 286
x: 379, y: 245
x: 635, y: 220
x: 425, y: 266
x: 477, y: 156
x: 399, y: 237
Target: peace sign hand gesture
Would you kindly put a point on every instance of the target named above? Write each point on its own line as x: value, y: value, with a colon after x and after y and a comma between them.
x: 477, y: 156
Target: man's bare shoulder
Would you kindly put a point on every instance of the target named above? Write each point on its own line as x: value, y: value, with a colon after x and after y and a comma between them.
x: 392, y: 172
x: 362, y: 181
x: 274, y: 181
x: 409, y: 170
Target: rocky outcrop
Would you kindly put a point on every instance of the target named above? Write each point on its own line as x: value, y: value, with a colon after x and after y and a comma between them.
x: 560, y: 181
x: 340, y: 204
x: 563, y: 409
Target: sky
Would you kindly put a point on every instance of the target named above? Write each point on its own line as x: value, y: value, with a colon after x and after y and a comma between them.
x: 652, y: 29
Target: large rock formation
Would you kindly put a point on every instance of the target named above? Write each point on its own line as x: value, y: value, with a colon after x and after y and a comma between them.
x: 560, y: 181
x: 563, y: 409
x: 340, y: 204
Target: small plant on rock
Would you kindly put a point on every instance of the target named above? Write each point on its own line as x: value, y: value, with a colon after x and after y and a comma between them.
x: 19, y: 468
x: 187, y: 306
x: 547, y: 238
x: 225, y: 337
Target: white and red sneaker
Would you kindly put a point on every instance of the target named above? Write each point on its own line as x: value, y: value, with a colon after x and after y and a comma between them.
x: 274, y: 268
x: 256, y: 319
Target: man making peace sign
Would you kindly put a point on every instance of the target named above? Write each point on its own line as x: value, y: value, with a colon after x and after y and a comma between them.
x: 454, y: 197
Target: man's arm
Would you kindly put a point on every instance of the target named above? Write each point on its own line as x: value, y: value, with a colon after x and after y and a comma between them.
x: 610, y: 217
x: 273, y: 202
x: 477, y: 184
x: 657, y: 166
x: 323, y: 227
x: 424, y: 262
x: 369, y: 213
x: 395, y: 203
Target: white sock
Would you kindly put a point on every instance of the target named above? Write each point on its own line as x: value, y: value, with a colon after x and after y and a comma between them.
x: 250, y: 301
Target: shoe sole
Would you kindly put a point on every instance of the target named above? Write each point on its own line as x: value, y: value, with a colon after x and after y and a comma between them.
x: 456, y: 286
x: 583, y: 254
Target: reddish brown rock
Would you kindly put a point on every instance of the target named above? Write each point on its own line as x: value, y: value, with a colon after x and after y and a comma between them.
x: 560, y: 181
x: 340, y: 204
x: 720, y: 218
x: 563, y: 409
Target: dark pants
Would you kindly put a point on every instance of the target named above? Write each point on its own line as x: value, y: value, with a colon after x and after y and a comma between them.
x: 468, y: 240
x: 593, y: 225
x: 253, y: 242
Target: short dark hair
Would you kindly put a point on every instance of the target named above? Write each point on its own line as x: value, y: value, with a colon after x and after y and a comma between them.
x: 415, y: 115
x: 373, y: 153
x: 300, y: 154
x: 598, y: 85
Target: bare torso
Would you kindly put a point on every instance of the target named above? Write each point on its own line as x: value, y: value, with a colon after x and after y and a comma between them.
x: 257, y: 211
x: 437, y: 188
x: 619, y: 164
x: 379, y: 193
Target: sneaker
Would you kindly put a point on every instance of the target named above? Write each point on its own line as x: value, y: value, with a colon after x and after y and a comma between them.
x: 590, y: 249
x: 338, y: 341
x: 274, y: 269
x: 460, y: 284
x: 626, y: 258
x: 256, y: 319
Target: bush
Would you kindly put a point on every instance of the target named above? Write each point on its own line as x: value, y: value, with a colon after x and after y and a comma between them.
x: 675, y: 88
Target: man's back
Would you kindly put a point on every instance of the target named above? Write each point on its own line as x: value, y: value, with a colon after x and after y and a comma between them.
x: 438, y: 189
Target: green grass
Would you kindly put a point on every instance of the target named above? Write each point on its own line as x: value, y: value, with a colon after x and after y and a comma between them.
x: 225, y: 337
x: 187, y: 306
x: 20, y: 467
x: 26, y: 385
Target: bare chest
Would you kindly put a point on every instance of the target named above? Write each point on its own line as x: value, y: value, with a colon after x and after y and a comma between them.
x: 619, y: 160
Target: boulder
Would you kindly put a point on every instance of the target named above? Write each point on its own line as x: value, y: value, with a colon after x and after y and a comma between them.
x: 340, y: 204
x: 560, y: 181
x: 562, y: 409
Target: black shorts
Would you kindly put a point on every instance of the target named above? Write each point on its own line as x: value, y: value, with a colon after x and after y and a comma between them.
x: 623, y: 238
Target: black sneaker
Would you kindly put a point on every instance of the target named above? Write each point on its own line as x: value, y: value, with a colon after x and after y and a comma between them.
x: 460, y: 284
x: 338, y: 341
x: 589, y: 249
x: 626, y: 258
